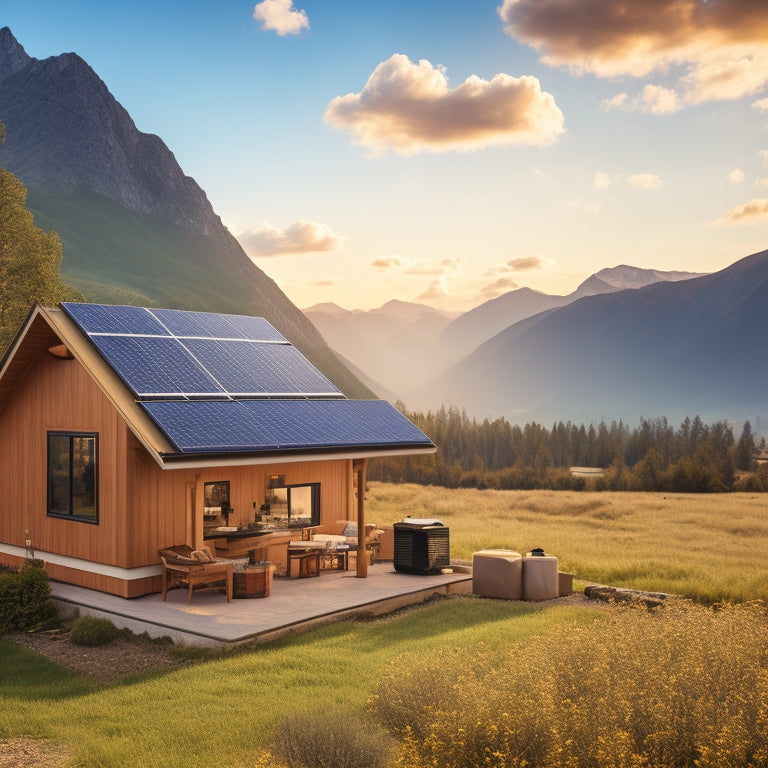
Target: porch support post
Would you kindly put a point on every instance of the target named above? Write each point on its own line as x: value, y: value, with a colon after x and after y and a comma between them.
x: 360, y: 467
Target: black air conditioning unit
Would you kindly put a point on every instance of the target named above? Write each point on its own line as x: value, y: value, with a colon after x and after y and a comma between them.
x: 421, y: 546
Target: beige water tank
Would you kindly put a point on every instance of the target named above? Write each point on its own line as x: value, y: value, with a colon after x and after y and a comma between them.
x: 540, y: 579
x: 497, y: 573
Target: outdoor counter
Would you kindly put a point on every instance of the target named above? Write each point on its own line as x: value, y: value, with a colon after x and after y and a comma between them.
x: 266, y: 544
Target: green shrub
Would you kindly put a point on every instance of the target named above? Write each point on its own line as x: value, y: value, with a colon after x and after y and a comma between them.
x: 92, y: 631
x: 25, y: 599
x: 685, y: 686
x: 331, y: 740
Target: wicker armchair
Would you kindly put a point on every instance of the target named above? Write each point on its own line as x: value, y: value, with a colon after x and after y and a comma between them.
x: 183, y: 565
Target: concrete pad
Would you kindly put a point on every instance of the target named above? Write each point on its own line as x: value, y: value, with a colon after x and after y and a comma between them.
x: 293, y: 605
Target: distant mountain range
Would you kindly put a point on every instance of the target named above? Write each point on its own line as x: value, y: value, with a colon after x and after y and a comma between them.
x: 628, y: 343
x: 693, y: 346
x: 134, y: 228
x: 401, y: 347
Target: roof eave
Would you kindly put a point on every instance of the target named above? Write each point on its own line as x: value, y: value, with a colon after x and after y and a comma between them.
x: 202, y: 460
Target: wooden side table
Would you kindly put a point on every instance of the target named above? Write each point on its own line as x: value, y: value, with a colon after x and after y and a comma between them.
x: 337, y: 559
x: 309, y: 561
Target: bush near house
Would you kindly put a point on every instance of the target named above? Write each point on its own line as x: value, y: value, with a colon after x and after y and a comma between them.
x: 91, y: 631
x: 25, y: 598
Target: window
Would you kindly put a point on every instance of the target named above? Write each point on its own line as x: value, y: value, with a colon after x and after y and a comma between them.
x: 216, y: 499
x: 293, y: 506
x: 73, y: 476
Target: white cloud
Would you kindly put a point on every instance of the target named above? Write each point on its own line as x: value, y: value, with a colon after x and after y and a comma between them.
x: 761, y: 104
x: 645, y: 181
x: 653, y: 99
x: 618, y: 101
x: 417, y: 266
x: 709, y: 49
x: 736, y: 176
x: 750, y: 213
x: 299, y: 237
x: 280, y: 16
x: 524, y: 263
x: 436, y: 292
x: 409, y: 108
x: 658, y: 100
x: 763, y: 155
x: 601, y: 181
x: 494, y: 290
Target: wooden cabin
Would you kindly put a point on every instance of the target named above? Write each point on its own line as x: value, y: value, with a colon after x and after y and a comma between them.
x: 126, y: 430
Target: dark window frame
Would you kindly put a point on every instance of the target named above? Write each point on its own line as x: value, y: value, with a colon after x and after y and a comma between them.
x: 70, y: 514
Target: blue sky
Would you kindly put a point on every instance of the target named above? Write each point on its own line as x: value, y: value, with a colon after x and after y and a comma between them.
x: 445, y: 152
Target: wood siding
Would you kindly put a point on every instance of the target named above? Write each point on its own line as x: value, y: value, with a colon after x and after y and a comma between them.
x: 57, y: 394
x: 142, y: 507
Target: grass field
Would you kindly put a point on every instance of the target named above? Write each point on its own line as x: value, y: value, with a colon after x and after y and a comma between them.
x: 220, y: 711
x: 709, y: 547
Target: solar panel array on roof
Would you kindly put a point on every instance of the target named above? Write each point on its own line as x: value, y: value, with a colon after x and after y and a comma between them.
x: 223, y: 384
x: 283, y: 425
x: 176, y: 354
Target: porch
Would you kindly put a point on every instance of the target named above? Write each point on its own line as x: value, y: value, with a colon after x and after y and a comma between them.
x: 293, y: 605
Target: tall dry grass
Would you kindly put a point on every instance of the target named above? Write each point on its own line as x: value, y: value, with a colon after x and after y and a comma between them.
x: 683, y: 687
x: 709, y: 547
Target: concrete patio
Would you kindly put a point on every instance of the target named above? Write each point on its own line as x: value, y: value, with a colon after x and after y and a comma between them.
x: 293, y: 605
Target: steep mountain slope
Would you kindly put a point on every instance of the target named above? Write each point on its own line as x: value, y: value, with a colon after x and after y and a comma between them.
x: 134, y: 228
x: 671, y: 348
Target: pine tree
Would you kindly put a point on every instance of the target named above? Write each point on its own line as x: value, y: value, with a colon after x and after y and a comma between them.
x: 745, y: 448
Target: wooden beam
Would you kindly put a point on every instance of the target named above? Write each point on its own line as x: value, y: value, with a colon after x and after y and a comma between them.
x: 360, y: 466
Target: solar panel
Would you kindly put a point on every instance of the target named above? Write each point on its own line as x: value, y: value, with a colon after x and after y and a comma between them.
x: 245, y: 368
x: 247, y: 426
x: 211, y: 325
x: 103, y: 318
x: 156, y: 367
x: 198, y: 354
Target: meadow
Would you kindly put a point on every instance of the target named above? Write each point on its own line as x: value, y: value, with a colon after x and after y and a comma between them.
x: 224, y: 708
x: 709, y: 547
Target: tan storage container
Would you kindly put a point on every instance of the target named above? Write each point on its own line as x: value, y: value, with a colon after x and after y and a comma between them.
x: 497, y: 573
x: 540, y: 579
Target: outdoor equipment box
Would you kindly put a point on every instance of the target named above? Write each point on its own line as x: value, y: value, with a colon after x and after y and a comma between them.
x: 421, y: 546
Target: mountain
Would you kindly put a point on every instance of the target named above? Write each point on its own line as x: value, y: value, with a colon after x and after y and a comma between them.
x: 394, y: 345
x: 622, y: 277
x: 680, y: 348
x: 401, y: 346
x: 134, y: 228
x: 467, y: 332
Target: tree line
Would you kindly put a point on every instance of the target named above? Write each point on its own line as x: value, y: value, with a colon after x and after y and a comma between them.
x: 654, y: 456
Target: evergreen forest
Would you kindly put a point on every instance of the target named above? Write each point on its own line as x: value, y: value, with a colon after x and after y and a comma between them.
x: 654, y: 456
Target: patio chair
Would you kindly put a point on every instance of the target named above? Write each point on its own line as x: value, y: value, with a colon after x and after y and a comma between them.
x: 182, y: 564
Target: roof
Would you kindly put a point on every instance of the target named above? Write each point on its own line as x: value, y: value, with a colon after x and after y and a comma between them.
x: 201, y: 388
